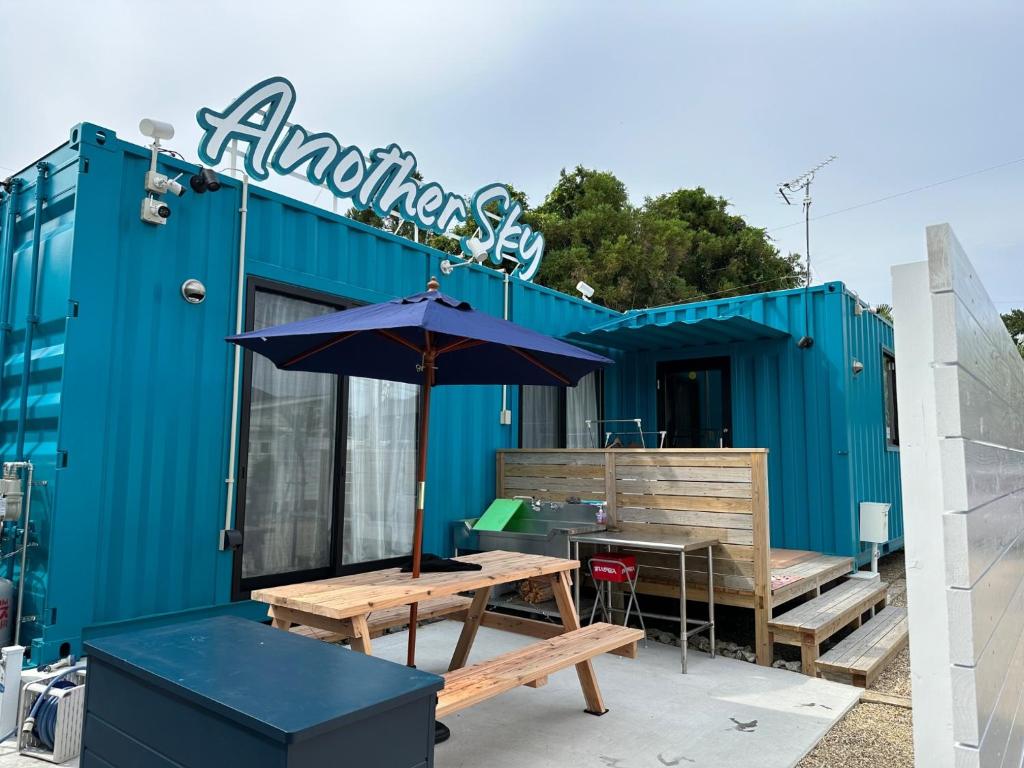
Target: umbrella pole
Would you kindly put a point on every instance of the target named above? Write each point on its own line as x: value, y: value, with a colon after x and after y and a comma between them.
x: 421, y: 494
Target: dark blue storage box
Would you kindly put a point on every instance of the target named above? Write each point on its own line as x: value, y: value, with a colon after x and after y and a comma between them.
x: 229, y: 692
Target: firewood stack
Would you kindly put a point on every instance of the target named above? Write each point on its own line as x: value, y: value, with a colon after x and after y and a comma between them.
x: 535, y: 590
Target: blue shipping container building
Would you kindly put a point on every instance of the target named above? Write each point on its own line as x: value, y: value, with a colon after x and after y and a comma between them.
x: 120, y: 391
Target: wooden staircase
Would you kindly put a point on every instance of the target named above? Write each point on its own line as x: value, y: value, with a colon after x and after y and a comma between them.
x: 858, y: 658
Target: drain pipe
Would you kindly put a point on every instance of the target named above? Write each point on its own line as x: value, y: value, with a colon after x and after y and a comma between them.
x: 8, y: 272
x: 32, y: 318
x: 505, y: 418
x: 243, y: 216
x: 27, y: 466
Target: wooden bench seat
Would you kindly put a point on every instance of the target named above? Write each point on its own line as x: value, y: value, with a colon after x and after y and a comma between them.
x: 388, y: 618
x: 808, y: 625
x: 530, y: 665
x: 859, y: 658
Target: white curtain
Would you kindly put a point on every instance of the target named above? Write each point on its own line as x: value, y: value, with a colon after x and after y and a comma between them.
x: 540, y: 415
x: 289, y: 492
x: 380, y: 469
x: 580, y: 405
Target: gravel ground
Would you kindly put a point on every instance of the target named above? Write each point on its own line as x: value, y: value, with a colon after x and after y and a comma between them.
x: 870, y: 734
x: 881, y: 731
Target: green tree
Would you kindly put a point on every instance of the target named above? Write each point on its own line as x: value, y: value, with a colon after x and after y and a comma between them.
x: 1014, y: 322
x: 885, y: 310
x: 676, y: 247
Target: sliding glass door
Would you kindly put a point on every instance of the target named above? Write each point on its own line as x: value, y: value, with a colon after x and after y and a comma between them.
x: 380, y: 470
x: 326, y: 477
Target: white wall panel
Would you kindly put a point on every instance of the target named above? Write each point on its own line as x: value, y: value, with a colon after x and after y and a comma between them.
x: 962, y: 406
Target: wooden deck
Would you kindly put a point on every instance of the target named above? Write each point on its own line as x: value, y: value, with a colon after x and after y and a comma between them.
x: 794, y: 573
x: 797, y: 572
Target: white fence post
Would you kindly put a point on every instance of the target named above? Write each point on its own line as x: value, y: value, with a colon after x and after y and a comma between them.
x: 960, y: 387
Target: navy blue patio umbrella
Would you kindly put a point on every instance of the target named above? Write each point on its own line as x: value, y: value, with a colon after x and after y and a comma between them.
x: 428, y: 339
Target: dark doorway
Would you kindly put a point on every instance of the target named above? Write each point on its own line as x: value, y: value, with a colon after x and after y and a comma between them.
x: 694, y: 404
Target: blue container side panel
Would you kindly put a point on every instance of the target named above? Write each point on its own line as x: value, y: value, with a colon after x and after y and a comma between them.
x: 797, y: 403
x: 145, y: 402
x: 876, y: 475
x: 46, y: 360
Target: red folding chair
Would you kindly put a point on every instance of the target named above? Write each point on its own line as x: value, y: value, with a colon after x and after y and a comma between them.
x: 610, y: 568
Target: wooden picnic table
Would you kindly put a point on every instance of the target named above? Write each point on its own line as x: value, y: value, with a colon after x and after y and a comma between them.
x: 343, y: 606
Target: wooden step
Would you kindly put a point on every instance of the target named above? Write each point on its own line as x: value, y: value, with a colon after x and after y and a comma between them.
x: 859, y: 658
x: 532, y: 664
x: 815, y: 621
x: 389, y: 618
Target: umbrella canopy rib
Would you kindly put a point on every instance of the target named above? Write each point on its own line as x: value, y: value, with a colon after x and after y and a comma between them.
x: 316, y: 350
x: 547, y: 369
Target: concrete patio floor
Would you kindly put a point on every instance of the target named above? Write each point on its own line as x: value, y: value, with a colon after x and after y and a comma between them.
x: 723, y: 714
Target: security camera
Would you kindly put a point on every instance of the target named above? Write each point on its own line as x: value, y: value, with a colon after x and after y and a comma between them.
x: 205, y: 180
x: 585, y: 290
x: 159, y: 184
x: 155, y: 211
x: 156, y: 129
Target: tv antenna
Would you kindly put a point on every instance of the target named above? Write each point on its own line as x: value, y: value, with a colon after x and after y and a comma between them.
x: 803, y: 182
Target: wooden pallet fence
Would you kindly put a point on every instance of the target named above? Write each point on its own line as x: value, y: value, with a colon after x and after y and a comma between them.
x: 721, y: 493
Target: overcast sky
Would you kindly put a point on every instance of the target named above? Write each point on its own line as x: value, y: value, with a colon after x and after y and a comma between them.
x: 734, y: 97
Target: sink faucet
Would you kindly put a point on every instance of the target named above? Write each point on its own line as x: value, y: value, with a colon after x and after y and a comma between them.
x: 534, y: 502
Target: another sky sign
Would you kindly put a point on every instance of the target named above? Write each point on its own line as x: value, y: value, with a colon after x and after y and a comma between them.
x: 381, y: 179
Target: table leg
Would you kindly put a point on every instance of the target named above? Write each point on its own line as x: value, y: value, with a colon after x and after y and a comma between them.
x: 683, y: 640
x: 711, y: 600
x: 361, y: 636
x: 579, y: 576
x: 571, y: 621
x: 608, y: 594
x: 469, y: 628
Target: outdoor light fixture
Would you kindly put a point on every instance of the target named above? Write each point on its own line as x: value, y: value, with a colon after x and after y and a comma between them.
x: 156, y: 129
x: 193, y: 291
x: 858, y: 367
x: 153, y: 210
x: 586, y: 291
x: 478, y: 255
x: 205, y: 180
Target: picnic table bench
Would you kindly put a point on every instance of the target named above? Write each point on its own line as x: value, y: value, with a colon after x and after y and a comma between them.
x: 356, y: 607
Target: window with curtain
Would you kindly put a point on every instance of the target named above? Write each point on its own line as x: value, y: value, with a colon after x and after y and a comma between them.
x: 329, y: 464
x: 892, y: 417
x: 581, y: 404
x: 290, y: 465
x: 555, y: 417
x: 380, y: 469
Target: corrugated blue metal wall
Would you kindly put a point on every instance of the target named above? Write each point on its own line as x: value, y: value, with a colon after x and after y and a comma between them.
x: 876, y: 465
x: 823, y: 426
x: 133, y: 385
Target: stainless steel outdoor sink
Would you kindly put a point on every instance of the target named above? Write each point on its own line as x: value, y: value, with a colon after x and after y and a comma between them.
x: 539, y: 529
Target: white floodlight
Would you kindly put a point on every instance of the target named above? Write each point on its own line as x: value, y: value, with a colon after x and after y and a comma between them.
x: 477, y: 250
x: 586, y: 291
x: 156, y: 129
